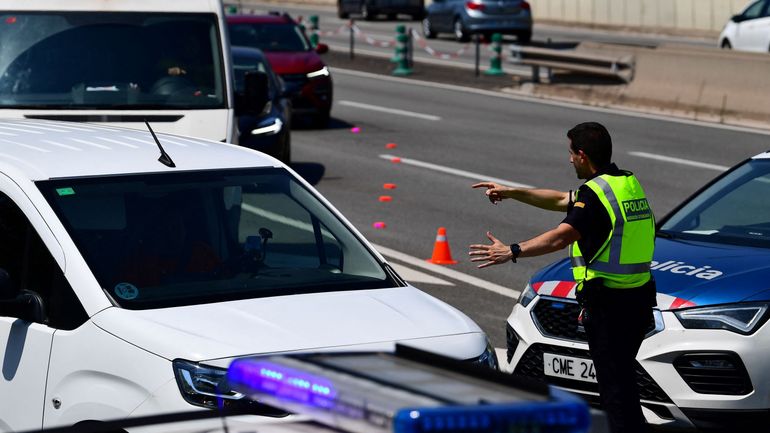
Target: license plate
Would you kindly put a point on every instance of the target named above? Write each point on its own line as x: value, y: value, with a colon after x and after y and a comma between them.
x: 569, y: 367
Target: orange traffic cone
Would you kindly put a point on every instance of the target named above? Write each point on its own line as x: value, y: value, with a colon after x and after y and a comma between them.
x: 441, y: 253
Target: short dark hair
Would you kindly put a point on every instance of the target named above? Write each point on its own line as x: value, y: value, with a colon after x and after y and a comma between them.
x: 594, y: 140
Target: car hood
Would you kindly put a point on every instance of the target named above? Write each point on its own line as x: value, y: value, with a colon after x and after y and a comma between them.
x: 319, y: 321
x: 687, y: 274
x: 294, y: 62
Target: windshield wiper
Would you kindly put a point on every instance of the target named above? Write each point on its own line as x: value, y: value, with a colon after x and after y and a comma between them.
x: 664, y: 234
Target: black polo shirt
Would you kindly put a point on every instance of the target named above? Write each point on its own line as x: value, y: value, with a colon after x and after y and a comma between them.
x: 589, y: 216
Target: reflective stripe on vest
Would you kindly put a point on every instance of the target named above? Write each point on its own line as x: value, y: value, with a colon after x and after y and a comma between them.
x: 606, y: 263
x: 613, y: 266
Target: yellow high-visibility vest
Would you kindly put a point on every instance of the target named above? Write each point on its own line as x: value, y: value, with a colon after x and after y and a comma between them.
x: 623, y: 261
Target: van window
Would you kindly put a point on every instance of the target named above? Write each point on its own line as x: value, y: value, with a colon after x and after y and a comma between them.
x: 210, y: 236
x: 72, y: 60
x: 30, y: 266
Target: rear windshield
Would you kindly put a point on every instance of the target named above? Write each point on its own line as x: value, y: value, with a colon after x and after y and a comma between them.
x: 100, y: 60
x: 187, y: 238
x: 733, y: 210
x: 269, y: 36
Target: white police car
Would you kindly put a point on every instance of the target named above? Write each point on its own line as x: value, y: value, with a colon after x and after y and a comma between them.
x: 704, y: 361
x: 128, y: 282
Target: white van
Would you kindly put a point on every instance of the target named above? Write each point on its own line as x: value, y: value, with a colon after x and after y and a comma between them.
x: 118, y: 62
x: 129, y: 282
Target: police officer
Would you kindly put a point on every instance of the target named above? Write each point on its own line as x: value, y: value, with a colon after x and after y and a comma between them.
x: 610, y: 232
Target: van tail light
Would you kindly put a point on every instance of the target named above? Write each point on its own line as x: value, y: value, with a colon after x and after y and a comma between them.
x: 474, y: 6
x: 526, y: 6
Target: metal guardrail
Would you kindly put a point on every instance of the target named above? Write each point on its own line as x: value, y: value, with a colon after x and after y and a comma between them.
x: 621, y: 67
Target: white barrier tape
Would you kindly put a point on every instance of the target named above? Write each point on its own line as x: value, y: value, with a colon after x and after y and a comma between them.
x: 441, y: 55
x: 372, y: 41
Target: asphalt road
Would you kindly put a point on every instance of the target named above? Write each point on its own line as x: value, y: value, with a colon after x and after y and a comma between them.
x: 469, y: 136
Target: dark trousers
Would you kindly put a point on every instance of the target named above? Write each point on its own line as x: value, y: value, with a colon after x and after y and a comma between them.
x: 615, y: 325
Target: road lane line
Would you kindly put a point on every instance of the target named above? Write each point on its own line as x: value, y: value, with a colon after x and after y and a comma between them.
x: 457, y: 172
x: 621, y: 111
x: 415, y: 276
x: 455, y: 275
x: 389, y: 110
x: 679, y: 161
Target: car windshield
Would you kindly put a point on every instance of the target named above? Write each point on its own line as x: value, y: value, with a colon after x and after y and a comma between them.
x: 110, y: 60
x: 269, y: 36
x: 733, y: 210
x: 165, y: 240
x: 243, y: 64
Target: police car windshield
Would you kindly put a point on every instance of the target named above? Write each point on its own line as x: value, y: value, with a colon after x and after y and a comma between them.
x: 733, y: 210
x: 164, y: 240
x: 103, y: 60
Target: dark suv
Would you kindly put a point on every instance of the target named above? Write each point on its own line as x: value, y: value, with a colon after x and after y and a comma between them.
x: 306, y: 77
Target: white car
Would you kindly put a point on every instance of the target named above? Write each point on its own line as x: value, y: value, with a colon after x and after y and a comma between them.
x: 704, y: 361
x: 129, y: 282
x: 749, y: 30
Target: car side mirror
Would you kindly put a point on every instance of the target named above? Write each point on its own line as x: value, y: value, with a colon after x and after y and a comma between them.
x: 25, y: 305
x: 321, y: 48
x: 736, y: 18
x: 255, y: 95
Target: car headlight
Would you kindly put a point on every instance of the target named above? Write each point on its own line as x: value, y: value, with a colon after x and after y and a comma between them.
x: 740, y: 318
x: 323, y: 72
x: 488, y: 358
x: 527, y: 295
x: 203, y: 385
x: 270, y: 129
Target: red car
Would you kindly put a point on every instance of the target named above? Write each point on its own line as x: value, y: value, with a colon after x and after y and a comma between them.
x: 290, y: 53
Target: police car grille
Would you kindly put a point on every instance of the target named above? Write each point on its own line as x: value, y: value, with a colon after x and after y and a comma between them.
x: 558, y: 319
x: 714, y: 373
x: 531, y: 365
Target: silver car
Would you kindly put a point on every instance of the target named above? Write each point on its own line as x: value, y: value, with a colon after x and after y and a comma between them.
x: 463, y: 18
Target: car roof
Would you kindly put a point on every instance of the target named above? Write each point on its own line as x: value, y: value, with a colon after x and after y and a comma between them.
x: 260, y: 19
x: 112, y: 5
x: 40, y: 150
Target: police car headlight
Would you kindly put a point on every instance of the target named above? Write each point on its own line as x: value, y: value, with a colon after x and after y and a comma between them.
x: 527, y: 295
x: 740, y: 318
x: 203, y: 385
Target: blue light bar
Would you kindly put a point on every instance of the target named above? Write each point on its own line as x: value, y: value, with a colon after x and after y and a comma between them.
x: 283, y: 382
x: 566, y: 416
x: 356, y: 396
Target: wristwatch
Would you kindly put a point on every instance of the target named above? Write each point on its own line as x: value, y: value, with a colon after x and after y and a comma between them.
x: 515, y: 250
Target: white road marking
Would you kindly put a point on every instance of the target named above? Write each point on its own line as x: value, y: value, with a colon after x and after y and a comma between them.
x: 502, y: 359
x: 389, y: 110
x: 415, y: 276
x: 455, y: 275
x: 457, y: 172
x: 679, y: 161
x: 538, y: 100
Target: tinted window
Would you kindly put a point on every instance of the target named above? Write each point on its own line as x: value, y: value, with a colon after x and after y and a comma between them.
x: 269, y: 36
x: 31, y: 267
x: 104, y: 60
x: 734, y: 210
x: 756, y: 10
x: 188, y: 238
x: 244, y: 63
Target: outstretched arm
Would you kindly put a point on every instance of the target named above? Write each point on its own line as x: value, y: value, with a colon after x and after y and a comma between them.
x: 543, y: 198
x: 548, y: 242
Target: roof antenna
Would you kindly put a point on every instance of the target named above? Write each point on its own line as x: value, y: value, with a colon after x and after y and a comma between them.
x: 164, y: 158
